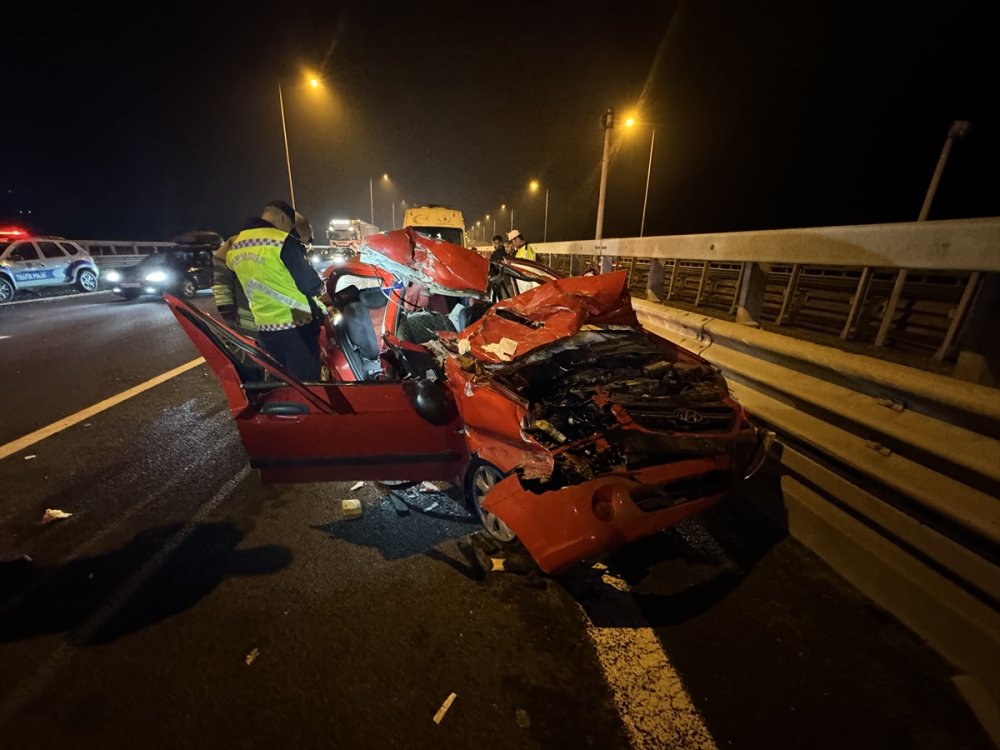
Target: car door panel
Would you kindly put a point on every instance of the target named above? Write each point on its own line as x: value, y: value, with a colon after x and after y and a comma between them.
x: 294, y: 432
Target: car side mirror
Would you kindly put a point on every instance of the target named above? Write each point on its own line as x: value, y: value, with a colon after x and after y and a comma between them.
x: 432, y: 402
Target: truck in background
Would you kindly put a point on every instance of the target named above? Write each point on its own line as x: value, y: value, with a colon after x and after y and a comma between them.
x: 436, y: 222
x: 343, y: 237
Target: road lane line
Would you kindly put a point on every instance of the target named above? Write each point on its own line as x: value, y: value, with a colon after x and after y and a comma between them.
x: 650, y: 697
x: 56, y: 297
x: 21, y: 443
x: 16, y: 699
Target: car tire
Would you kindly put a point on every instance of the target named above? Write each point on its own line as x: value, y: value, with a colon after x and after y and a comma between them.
x: 86, y: 281
x: 130, y: 293
x: 6, y: 290
x: 187, y: 288
x: 480, y: 478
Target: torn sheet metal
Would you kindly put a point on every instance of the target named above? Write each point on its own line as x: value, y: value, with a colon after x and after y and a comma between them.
x: 442, y: 267
x: 551, y: 312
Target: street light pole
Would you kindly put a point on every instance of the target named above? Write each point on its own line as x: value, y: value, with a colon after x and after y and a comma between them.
x: 371, y: 196
x: 649, y: 171
x: 958, y: 129
x: 545, y: 226
x: 284, y: 131
x: 609, y: 124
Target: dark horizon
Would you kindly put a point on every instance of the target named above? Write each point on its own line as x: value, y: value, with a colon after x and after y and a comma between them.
x: 766, y: 116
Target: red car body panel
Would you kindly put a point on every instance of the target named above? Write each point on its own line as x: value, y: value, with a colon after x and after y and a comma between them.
x: 575, y: 524
x: 441, y: 266
x: 551, y: 312
x: 330, y: 432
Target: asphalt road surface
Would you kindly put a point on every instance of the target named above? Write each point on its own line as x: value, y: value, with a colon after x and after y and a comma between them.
x: 184, y: 604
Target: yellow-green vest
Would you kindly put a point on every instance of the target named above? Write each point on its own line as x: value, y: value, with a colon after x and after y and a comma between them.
x: 275, y: 301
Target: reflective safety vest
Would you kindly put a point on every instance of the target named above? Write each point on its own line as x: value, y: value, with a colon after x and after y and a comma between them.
x: 275, y: 301
x: 525, y: 251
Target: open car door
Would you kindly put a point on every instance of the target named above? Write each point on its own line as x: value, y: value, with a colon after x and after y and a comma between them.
x: 296, y: 432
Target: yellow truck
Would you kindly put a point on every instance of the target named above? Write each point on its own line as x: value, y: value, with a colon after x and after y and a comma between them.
x: 436, y: 222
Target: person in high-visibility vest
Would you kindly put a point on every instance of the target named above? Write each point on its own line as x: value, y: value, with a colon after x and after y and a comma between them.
x: 521, y: 247
x: 270, y: 263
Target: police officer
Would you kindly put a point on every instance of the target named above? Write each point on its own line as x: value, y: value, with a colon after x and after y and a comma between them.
x: 270, y: 264
x: 521, y: 247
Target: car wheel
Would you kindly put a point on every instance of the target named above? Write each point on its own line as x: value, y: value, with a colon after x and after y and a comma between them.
x: 6, y: 290
x: 480, y: 478
x: 86, y: 280
x: 130, y: 293
x: 187, y: 288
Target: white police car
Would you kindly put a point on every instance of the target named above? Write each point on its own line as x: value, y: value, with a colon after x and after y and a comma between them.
x: 34, y: 262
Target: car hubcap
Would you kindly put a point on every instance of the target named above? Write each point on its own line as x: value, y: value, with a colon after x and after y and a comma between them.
x: 483, y: 481
x: 6, y: 291
x: 88, y: 281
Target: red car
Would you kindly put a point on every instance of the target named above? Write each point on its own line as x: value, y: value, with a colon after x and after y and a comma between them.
x: 570, y: 428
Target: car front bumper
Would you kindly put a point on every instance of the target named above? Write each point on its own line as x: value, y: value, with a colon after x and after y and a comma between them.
x: 567, y: 526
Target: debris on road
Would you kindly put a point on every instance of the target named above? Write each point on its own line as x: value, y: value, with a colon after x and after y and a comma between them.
x: 429, y: 487
x: 357, y: 486
x: 30, y: 456
x: 444, y: 708
x: 523, y: 720
x: 53, y: 514
x: 351, y: 508
x: 252, y: 656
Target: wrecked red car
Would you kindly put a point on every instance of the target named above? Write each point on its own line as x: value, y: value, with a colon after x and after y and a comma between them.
x: 571, y: 429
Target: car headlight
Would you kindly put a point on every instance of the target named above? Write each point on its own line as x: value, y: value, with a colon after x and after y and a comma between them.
x: 112, y: 276
x: 315, y: 258
x: 157, y: 276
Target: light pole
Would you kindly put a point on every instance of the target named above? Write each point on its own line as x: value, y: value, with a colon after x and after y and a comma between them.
x: 284, y: 132
x: 371, y: 196
x: 649, y: 171
x: 315, y: 83
x: 958, y: 129
x: 533, y: 186
x: 608, y: 122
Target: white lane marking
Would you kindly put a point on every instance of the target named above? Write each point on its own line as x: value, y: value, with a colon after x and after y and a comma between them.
x: 16, y: 699
x: 654, y: 706
x: 21, y: 443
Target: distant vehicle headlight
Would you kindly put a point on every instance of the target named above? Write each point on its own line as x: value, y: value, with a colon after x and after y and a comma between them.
x: 113, y: 276
x: 315, y: 258
x: 157, y: 276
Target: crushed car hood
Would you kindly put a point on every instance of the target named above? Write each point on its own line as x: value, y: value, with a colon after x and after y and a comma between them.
x: 552, y: 311
x: 442, y: 267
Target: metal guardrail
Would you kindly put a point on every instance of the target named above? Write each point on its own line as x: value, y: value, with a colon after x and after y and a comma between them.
x: 910, y: 286
x: 889, y: 473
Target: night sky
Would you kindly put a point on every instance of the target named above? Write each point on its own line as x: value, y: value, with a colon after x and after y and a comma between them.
x: 767, y: 114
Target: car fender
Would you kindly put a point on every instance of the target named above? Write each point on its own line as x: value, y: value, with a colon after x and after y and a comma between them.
x: 78, y: 265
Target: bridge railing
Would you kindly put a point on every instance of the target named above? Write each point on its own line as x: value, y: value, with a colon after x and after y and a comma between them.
x: 912, y: 287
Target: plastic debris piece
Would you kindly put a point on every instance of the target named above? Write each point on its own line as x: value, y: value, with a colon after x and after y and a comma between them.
x: 252, y: 656
x: 444, y: 708
x: 53, y: 514
x: 28, y: 458
x: 357, y: 486
x: 429, y: 487
x: 464, y: 347
x: 351, y: 508
x: 523, y: 720
x: 497, y: 563
x: 432, y: 506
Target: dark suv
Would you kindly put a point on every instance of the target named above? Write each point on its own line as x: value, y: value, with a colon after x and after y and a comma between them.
x: 181, y: 271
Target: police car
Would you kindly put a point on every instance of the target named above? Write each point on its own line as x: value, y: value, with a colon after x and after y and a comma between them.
x: 35, y: 262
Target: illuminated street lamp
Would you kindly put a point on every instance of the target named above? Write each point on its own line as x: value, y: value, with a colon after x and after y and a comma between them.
x: 649, y: 171
x: 315, y: 83
x: 533, y: 186
x: 371, y: 195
